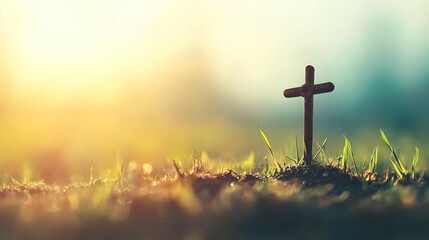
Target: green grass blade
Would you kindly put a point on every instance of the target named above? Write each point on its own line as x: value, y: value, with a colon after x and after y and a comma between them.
x: 401, y: 167
x: 320, y: 149
x: 375, y: 159
x: 383, y: 136
x: 269, y: 147
x: 396, y: 169
x: 344, y: 158
x: 352, y: 155
x: 322, y: 152
x: 265, y: 138
x: 371, y: 162
x: 415, y: 161
x: 416, y: 158
x: 325, y: 158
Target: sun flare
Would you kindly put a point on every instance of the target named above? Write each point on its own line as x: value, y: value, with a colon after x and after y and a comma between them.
x: 62, y: 48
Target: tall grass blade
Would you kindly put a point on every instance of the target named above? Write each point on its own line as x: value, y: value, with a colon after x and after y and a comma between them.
x: 376, y: 159
x: 414, y: 164
x: 401, y: 167
x: 344, y: 158
x: 396, y: 169
x: 352, y: 155
x: 323, y: 153
x: 269, y: 147
x: 320, y: 149
x: 373, y: 160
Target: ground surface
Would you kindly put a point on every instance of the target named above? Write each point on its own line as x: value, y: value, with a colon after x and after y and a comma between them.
x: 314, y: 202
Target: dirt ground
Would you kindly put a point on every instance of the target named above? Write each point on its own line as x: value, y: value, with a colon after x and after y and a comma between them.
x: 313, y: 202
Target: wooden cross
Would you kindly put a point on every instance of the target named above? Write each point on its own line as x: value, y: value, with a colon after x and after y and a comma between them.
x: 307, y: 91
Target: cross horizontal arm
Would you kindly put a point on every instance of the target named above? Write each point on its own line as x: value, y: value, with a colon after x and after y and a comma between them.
x: 322, y: 88
x: 292, y: 92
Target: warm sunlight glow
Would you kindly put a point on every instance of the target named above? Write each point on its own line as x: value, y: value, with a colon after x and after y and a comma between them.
x: 84, y: 81
x: 60, y: 48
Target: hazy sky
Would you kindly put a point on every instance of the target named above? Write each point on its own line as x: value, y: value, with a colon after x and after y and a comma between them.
x: 251, y: 50
x: 131, y: 74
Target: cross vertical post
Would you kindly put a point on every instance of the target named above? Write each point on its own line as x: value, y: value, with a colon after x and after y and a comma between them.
x: 308, y: 116
x: 307, y: 91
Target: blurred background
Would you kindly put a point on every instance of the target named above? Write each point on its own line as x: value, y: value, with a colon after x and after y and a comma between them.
x: 87, y: 82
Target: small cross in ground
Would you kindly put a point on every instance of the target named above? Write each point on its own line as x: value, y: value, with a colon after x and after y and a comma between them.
x: 307, y: 91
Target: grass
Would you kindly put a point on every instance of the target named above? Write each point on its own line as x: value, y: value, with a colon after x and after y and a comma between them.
x: 400, y: 170
x: 373, y: 161
x: 321, y: 150
x: 346, y: 163
x: 270, y: 149
x: 414, y: 164
x: 202, y: 202
x: 347, y: 150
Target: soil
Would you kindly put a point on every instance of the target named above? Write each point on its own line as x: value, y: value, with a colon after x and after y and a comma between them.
x: 299, y: 202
